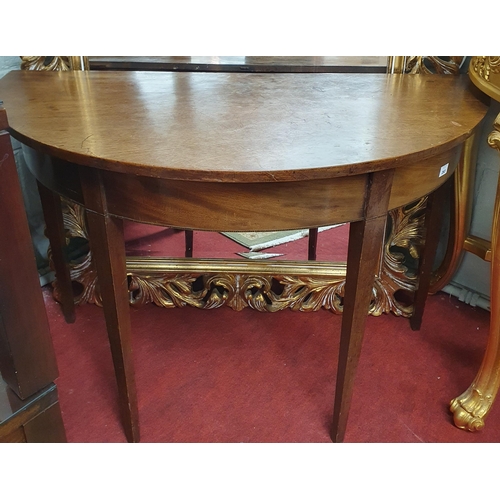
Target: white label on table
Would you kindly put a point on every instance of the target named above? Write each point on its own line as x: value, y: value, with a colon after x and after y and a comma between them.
x: 443, y: 170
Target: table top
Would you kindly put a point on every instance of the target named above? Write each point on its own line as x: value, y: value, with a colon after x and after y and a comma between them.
x: 239, y: 127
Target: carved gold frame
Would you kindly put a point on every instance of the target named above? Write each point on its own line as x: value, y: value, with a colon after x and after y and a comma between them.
x: 273, y: 286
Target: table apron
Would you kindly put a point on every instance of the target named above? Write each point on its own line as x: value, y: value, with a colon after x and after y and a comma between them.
x: 265, y: 206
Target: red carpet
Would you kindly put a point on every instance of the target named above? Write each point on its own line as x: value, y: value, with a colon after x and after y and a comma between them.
x: 154, y: 241
x: 225, y: 376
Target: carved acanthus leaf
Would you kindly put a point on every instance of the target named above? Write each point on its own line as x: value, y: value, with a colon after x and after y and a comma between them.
x: 485, y: 65
x: 45, y: 63
x: 260, y: 292
x: 494, y: 137
x: 433, y: 64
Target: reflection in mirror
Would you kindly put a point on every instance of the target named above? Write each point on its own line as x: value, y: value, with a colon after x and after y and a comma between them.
x: 268, y: 64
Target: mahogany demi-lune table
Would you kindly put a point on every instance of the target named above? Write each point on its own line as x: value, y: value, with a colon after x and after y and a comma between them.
x: 241, y: 152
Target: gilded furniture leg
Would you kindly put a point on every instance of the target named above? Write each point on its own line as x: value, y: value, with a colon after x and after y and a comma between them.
x: 470, y: 409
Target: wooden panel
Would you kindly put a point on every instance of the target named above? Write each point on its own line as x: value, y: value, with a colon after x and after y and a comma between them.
x: 16, y: 414
x: 168, y: 202
x: 27, y: 360
x: 46, y: 427
x: 3, y: 119
x: 235, y: 207
x: 264, y: 206
x: 267, y: 64
x: 411, y: 184
x: 16, y: 436
x: 57, y: 175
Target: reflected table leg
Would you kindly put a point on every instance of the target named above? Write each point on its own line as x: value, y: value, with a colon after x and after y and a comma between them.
x: 52, y: 210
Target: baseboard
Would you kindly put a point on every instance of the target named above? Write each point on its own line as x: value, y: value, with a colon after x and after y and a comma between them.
x: 467, y: 295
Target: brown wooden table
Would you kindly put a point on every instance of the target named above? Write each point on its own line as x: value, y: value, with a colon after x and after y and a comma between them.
x: 241, y: 152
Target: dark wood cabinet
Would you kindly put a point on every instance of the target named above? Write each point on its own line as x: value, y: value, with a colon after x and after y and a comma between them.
x: 29, y: 410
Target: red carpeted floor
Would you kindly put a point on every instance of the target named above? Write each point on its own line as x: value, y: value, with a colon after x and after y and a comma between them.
x: 225, y: 376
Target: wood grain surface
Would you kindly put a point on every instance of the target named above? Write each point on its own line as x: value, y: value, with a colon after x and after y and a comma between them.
x: 239, y: 127
x: 27, y: 359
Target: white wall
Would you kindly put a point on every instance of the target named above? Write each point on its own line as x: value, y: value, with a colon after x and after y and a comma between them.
x: 471, y: 282
x: 8, y: 63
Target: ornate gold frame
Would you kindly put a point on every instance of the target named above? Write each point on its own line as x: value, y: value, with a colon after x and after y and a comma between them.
x: 273, y: 286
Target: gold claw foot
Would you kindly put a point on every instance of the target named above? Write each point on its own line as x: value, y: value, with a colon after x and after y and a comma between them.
x: 469, y: 410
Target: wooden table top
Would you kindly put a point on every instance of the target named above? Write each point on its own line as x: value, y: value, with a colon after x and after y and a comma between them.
x: 239, y: 127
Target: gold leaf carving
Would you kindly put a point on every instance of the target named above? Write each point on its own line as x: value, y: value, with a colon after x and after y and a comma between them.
x: 485, y: 65
x: 164, y: 291
x: 470, y: 409
x: 433, y: 64
x: 308, y: 294
x: 45, y: 63
x: 262, y: 292
x: 494, y: 137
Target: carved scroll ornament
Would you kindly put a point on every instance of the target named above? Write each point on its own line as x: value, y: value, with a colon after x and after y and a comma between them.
x: 433, y: 64
x: 174, y: 283
x: 45, y: 63
x: 484, y: 66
